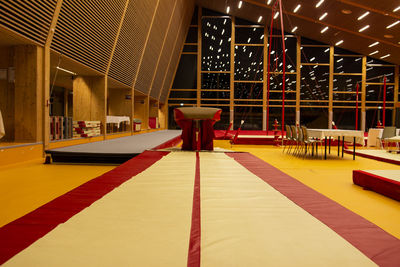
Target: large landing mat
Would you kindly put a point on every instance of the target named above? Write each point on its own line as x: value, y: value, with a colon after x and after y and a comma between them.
x: 116, y: 150
x: 385, y: 182
x: 195, y: 209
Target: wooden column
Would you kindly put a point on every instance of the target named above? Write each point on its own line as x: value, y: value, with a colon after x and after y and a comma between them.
x: 199, y: 54
x: 232, y: 75
x: 265, y: 69
x: 363, y: 93
x: 46, y: 79
x: 331, y: 71
x: 298, y: 79
x: 396, y: 93
x: 28, y: 62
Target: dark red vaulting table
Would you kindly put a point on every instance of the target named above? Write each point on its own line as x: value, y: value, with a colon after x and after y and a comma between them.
x: 197, y: 126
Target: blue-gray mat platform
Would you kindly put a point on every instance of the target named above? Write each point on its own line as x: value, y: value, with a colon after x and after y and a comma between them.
x: 116, y: 150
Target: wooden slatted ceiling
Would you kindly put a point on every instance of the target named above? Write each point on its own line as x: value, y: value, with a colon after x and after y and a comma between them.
x: 31, y: 19
x: 176, y: 52
x: 86, y: 31
x: 154, y: 45
x: 168, y: 48
x: 132, y: 40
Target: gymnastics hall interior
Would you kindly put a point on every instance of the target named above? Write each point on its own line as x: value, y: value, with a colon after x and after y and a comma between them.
x: 109, y: 155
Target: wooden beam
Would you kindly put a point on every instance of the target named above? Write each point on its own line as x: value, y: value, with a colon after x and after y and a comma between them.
x: 264, y: 81
x: 363, y: 92
x: 46, y: 78
x: 232, y: 72
x: 199, y: 54
x: 162, y: 48
x: 331, y: 69
x: 396, y: 93
x: 298, y: 79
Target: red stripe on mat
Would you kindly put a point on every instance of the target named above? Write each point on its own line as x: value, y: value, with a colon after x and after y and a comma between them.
x: 195, y: 231
x: 375, y: 243
x: 21, y: 233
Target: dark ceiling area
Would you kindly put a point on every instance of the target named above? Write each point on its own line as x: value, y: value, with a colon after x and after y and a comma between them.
x: 367, y: 27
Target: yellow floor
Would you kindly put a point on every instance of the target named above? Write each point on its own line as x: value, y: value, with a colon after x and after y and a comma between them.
x: 333, y: 178
x: 27, y: 186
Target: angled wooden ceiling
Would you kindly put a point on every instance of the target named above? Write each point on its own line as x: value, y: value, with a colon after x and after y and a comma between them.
x: 136, y: 43
x: 342, y: 20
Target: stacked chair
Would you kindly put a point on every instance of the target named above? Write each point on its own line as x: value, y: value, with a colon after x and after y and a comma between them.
x: 297, y: 141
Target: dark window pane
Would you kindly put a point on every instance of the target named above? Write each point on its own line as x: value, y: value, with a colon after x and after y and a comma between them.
x: 216, y: 36
x: 186, y: 74
x: 347, y: 64
x: 215, y: 81
x: 247, y: 35
x: 191, y: 35
x: 248, y: 63
x: 347, y: 83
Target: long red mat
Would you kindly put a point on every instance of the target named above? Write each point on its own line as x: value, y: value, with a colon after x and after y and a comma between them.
x: 375, y: 243
x: 21, y: 233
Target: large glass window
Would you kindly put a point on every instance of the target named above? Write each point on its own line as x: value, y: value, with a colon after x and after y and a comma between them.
x: 216, y: 38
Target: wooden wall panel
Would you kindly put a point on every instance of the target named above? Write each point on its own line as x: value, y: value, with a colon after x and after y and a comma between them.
x: 7, y: 92
x: 118, y: 105
x: 28, y: 62
x: 174, y: 60
x: 88, y: 98
x: 131, y: 42
x: 167, y: 50
x: 142, y: 110
x: 154, y: 46
x: 86, y: 31
x: 30, y: 19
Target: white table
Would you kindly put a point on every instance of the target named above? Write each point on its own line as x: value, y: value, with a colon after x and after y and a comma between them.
x: 358, y: 137
x: 2, y: 131
x: 117, y: 119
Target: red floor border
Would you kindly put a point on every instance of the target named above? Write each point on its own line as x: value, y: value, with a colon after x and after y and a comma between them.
x: 375, y: 243
x: 21, y: 233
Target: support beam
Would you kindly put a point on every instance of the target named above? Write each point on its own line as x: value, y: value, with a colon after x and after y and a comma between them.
x: 363, y: 92
x: 396, y: 94
x: 46, y: 78
x: 232, y: 74
x: 331, y: 70
x: 298, y: 79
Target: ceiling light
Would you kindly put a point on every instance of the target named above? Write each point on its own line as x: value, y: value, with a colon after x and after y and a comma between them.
x: 297, y: 8
x: 339, y: 60
x: 294, y: 29
x: 262, y: 36
x: 276, y: 15
x: 326, y: 50
x: 67, y: 71
x: 374, y: 44
x: 228, y: 9
x: 388, y: 55
x: 373, y: 53
x: 389, y: 36
x: 323, y: 16
x: 269, y: 2
x: 396, y: 9
x: 325, y: 29
x: 347, y: 11
x: 340, y: 42
x: 319, y: 3
x: 312, y: 59
x: 393, y: 24
x: 259, y: 19
x: 363, y: 15
x: 240, y: 4
x: 363, y: 28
